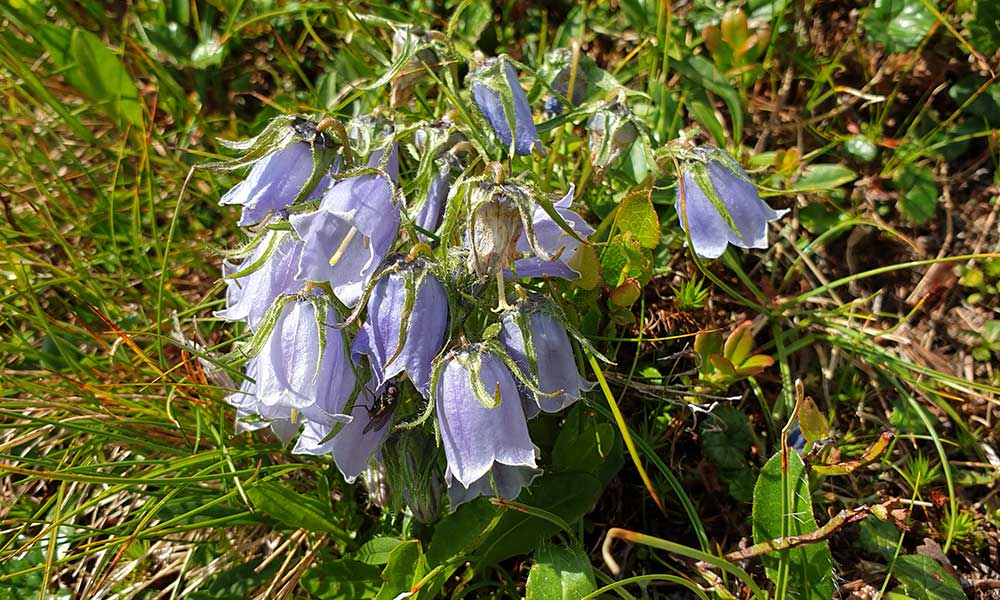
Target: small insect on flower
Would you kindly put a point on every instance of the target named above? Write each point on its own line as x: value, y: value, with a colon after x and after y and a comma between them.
x: 380, y: 412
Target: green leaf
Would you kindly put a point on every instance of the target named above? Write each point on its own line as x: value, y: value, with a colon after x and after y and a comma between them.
x: 405, y: 566
x: 293, y: 509
x: 707, y: 344
x: 456, y: 533
x: 90, y: 67
x: 812, y: 421
x: 376, y: 550
x: 568, y: 495
x: 725, y: 438
x: 823, y: 178
x: 923, y: 578
x: 818, y: 217
x: 700, y: 73
x: 899, y: 25
x: 809, y: 571
x: 706, y: 117
x: 624, y: 258
x: 637, y: 216
x: 920, y: 193
x: 878, y: 537
x: 341, y: 579
x: 560, y: 573
x: 739, y: 344
x: 984, y: 29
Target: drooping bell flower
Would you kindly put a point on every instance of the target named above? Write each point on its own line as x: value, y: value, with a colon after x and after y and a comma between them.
x: 499, y: 97
x: 556, y: 242
x: 252, y: 414
x: 559, y: 69
x: 539, y: 345
x: 405, y: 327
x: 718, y: 204
x: 256, y: 282
x: 350, y: 233
x: 303, y: 363
x: 354, y: 446
x: 274, y: 182
x: 482, y: 424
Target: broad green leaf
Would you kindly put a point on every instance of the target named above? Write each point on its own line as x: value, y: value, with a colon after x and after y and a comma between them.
x: 861, y: 147
x: 818, y: 217
x: 624, y: 258
x: 809, y: 568
x: 584, y: 444
x: 637, y: 216
x: 456, y: 533
x: 560, y: 573
x: 341, y: 579
x: 707, y: 344
x: 878, y: 537
x: 406, y: 564
x: 823, y: 178
x: 292, y: 508
x: 568, y: 495
x: 923, y: 578
x: 920, y: 193
x: 899, y: 25
x: 739, y: 344
x: 90, y: 67
x: 376, y: 550
x: 702, y: 74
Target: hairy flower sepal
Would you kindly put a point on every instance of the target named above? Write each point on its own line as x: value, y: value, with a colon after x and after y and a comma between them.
x: 561, y: 232
x: 410, y: 461
x: 500, y: 99
x: 480, y: 417
x: 717, y: 204
x: 290, y: 161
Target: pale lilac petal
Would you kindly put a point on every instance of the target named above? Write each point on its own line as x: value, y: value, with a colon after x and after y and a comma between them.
x: 709, y: 231
x: 379, y: 335
x: 476, y: 437
x: 556, y: 367
x: 489, y: 104
x: 249, y: 297
x: 352, y: 447
x: 358, y: 220
x: 554, y: 240
x: 273, y: 183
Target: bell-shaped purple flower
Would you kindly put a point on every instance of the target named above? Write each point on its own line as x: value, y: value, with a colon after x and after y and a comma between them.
x: 347, y: 237
x: 352, y: 448
x: 405, y: 327
x: 540, y: 347
x: 712, y: 181
x: 478, y: 439
x: 554, y: 240
x: 274, y: 182
x: 303, y: 363
x: 256, y: 282
x: 252, y: 415
x: 491, y: 82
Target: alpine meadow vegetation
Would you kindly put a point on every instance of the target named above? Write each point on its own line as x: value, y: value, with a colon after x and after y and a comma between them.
x: 503, y: 299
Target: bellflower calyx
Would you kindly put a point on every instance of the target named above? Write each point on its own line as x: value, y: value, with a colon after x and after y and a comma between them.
x: 255, y: 283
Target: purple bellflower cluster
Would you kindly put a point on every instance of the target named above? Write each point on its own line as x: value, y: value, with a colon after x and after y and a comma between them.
x: 374, y: 286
